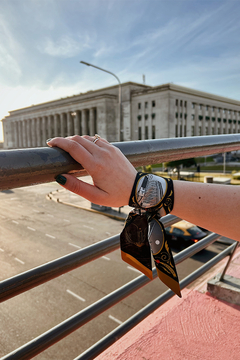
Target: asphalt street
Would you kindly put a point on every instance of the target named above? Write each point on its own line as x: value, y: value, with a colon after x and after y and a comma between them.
x: 33, y: 231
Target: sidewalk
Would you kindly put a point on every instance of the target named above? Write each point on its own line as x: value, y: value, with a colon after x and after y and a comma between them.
x: 197, y: 326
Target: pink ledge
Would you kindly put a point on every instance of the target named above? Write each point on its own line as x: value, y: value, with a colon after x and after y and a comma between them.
x: 197, y: 326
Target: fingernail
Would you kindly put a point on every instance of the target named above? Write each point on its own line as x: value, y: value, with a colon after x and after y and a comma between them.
x: 48, y: 140
x: 61, y: 179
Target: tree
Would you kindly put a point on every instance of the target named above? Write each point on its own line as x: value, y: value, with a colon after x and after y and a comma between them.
x: 177, y: 163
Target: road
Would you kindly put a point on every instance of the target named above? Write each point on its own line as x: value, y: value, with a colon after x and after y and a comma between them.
x: 33, y: 231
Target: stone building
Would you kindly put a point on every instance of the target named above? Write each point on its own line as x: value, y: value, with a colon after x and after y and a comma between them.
x: 147, y: 113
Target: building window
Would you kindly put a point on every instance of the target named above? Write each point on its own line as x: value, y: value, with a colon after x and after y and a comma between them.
x: 176, y: 130
x: 200, y: 106
x: 207, y: 118
x: 219, y: 131
x: 180, y: 130
x: 139, y: 133
x: 146, y: 132
x: 219, y: 109
x: 224, y: 111
x: 146, y: 105
x: 192, y: 130
x: 193, y: 116
x: 153, y: 116
x: 229, y: 121
x: 139, y: 117
x: 185, y: 116
x: 193, y: 105
x: 180, y: 102
x: 213, y: 108
x: 219, y: 119
x: 213, y: 118
x: 206, y: 130
x: 146, y: 116
x: 153, y: 103
x: 185, y: 104
x: 200, y: 117
x: 200, y: 131
x: 206, y: 107
x: 139, y: 105
x: 153, y: 132
x: 176, y: 102
x: 180, y: 115
x: 213, y: 131
x: 185, y: 130
x: 176, y: 115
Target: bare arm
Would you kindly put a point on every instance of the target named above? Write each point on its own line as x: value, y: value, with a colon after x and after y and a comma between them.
x: 215, y: 207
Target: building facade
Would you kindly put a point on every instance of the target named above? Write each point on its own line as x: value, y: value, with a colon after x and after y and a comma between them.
x: 147, y: 113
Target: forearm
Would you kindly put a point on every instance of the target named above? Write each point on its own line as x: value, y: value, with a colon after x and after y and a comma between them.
x: 214, y: 207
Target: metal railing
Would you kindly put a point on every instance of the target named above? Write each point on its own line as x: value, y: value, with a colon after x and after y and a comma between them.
x: 32, y: 166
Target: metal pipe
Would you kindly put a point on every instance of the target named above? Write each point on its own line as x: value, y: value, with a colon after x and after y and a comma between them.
x: 46, y: 272
x: 39, y: 165
x: 229, y: 261
x: 63, y: 329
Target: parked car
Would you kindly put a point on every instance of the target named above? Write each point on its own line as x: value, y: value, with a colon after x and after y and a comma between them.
x: 183, y: 233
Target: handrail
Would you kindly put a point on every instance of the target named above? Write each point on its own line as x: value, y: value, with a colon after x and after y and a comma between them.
x: 24, y: 167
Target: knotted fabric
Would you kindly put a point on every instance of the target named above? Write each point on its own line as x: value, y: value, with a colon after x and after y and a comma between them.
x: 144, y: 233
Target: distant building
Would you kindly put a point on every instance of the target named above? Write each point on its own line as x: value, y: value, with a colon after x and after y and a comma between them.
x: 149, y: 112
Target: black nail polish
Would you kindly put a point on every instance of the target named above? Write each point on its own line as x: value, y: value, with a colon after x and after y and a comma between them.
x: 61, y: 179
x: 48, y: 140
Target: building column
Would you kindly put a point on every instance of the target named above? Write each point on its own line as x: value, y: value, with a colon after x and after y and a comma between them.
x: 19, y: 134
x: 91, y: 120
x: 24, y: 133
x: 84, y: 122
x: 77, y: 120
x: 49, y: 126
x: 38, y: 132
x: 62, y: 124
x: 44, y: 131
x: 29, y: 133
x: 196, y: 120
x: 69, y: 124
x: 55, y: 120
x: 33, y: 132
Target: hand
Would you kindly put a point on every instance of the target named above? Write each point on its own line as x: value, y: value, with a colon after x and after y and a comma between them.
x: 113, y: 175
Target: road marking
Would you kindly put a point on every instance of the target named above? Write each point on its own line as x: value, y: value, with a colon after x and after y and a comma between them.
x: 15, y: 222
x: 88, y: 227
x: 51, y: 236
x: 75, y: 295
x: 31, y: 228
x: 106, y: 258
x: 66, y: 220
x: 21, y: 262
x: 50, y: 215
x: 115, y: 319
x: 1, y: 250
x: 133, y: 269
x: 79, y: 247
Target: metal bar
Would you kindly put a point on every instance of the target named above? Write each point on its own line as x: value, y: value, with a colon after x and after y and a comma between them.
x: 43, y: 273
x: 121, y: 330
x: 39, y: 165
x: 229, y: 260
x: 63, y: 329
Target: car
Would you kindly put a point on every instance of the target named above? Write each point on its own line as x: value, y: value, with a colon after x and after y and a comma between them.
x: 183, y: 234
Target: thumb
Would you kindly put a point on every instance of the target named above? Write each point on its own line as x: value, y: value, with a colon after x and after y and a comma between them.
x: 79, y: 187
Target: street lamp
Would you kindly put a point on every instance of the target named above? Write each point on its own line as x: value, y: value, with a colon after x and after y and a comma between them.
x: 120, y: 95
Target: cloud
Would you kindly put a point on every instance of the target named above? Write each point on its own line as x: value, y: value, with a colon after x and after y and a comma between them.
x: 65, y: 47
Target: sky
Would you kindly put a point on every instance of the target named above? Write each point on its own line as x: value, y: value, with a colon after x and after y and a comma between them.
x: 193, y: 43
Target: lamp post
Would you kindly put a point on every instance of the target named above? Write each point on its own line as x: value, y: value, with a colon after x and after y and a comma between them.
x: 120, y: 96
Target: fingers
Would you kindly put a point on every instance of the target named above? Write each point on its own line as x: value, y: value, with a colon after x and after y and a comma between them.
x: 79, y: 187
